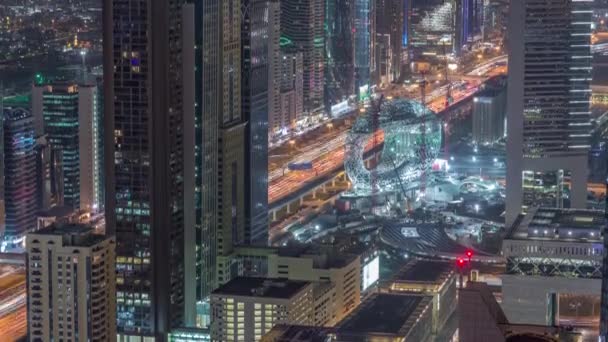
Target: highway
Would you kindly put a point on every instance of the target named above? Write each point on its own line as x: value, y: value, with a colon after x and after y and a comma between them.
x: 328, y: 156
x: 13, y: 322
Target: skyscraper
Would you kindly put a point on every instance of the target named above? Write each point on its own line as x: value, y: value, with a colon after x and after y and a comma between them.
x: 548, y: 103
x: 60, y: 117
x: 68, y: 114
x: 302, y: 24
x: 389, y: 21
x: 70, y: 285
x: 148, y: 108
x: 19, y: 173
x: 274, y: 69
x: 292, y: 85
x: 340, y: 51
x: 364, y: 36
x: 222, y: 142
x: 257, y: 53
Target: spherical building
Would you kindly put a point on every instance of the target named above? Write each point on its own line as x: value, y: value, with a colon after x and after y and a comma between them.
x: 412, y: 139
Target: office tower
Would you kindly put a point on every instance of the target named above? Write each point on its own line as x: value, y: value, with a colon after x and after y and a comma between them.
x: 70, y: 285
x: 489, y: 109
x: 69, y: 116
x: 364, y: 41
x: 245, y: 309
x: 60, y: 123
x: 554, y: 260
x: 274, y: 69
x: 256, y: 85
x: 302, y: 25
x: 19, y: 173
x: 389, y: 23
x: 149, y: 104
x: 430, y: 28
x: 548, y: 113
x: 292, y: 96
x: 340, y: 52
x: 222, y: 142
x: 469, y: 22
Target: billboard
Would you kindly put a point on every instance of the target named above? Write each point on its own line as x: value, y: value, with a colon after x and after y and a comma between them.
x: 371, y: 273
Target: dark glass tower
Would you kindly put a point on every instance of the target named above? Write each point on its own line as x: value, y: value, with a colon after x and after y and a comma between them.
x: 339, y: 51
x: 144, y: 137
x: 302, y: 24
x: 255, y: 87
x: 19, y: 173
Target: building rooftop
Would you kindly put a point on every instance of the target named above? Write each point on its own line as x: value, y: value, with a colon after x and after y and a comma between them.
x: 425, y: 271
x: 554, y: 224
x: 384, y: 313
x: 74, y: 234
x: 262, y: 287
x: 322, y: 258
x: 298, y: 333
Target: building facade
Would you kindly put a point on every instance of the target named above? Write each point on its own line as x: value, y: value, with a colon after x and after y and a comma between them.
x: 292, y: 96
x: 258, y: 54
x: 69, y: 117
x: 554, y: 261
x: 489, y: 109
x: 548, y: 100
x: 20, y: 191
x: 70, y: 285
x: 340, y: 52
x: 245, y: 309
x: 147, y: 110
x: 389, y: 24
x: 302, y: 25
x: 343, y: 272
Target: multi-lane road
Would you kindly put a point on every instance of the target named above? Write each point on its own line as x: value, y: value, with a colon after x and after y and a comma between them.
x: 12, y: 304
x: 328, y: 155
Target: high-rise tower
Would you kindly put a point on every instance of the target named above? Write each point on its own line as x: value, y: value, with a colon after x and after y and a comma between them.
x: 548, y: 112
x: 258, y: 54
x: 302, y: 24
x: 221, y: 138
x: 146, y: 107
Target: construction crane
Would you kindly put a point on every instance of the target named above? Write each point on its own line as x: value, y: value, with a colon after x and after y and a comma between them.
x: 423, y: 84
x: 448, y: 101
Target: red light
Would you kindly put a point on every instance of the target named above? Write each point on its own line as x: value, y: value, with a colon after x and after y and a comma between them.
x: 460, y: 262
x: 469, y: 254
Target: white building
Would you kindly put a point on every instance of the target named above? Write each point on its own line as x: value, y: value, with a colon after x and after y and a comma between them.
x: 548, y: 117
x: 70, y: 285
x: 244, y: 309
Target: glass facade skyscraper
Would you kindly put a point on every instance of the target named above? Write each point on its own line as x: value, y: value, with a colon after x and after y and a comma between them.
x: 339, y: 51
x: 548, y: 103
x: 256, y: 58
x: 144, y: 106
x: 60, y: 115
x: 302, y: 24
x: 19, y: 173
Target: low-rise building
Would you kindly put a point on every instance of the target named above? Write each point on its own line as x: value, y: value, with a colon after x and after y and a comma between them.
x: 554, y: 267
x: 432, y: 278
x: 486, y: 321
x: 244, y: 309
x: 308, y: 263
x: 390, y: 318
